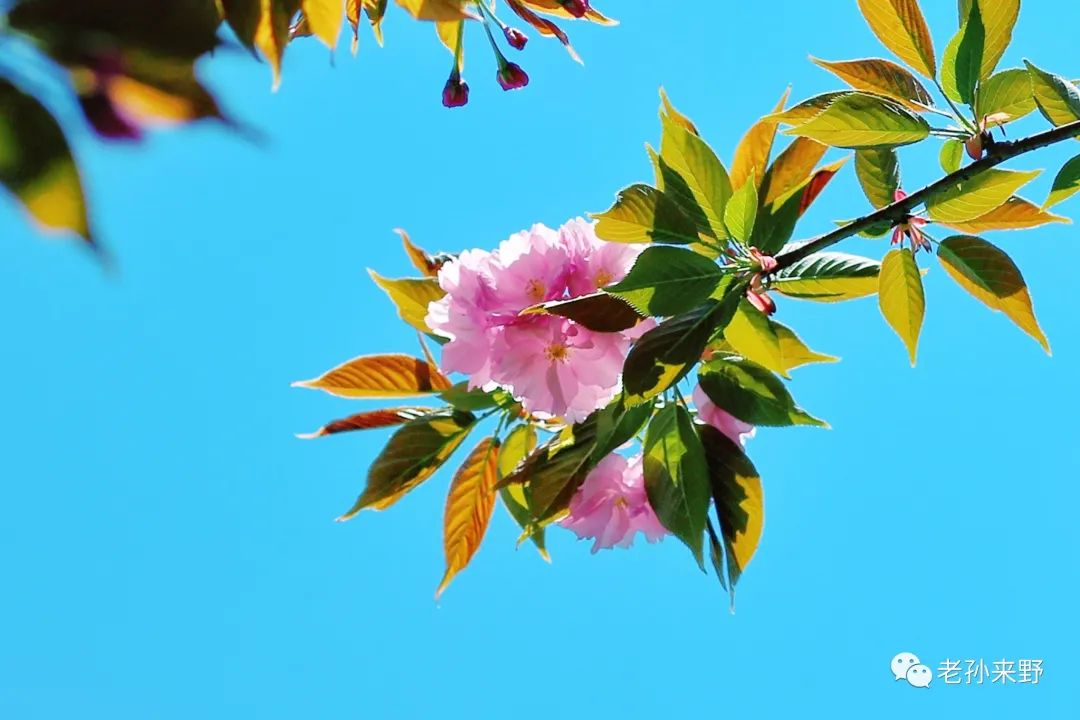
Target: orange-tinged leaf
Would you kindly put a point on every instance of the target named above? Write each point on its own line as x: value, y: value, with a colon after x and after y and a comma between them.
x: 411, y: 296
x: 324, y: 17
x: 272, y: 32
x: 752, y: 153
x: 791, y: 169
x: 438, y: 10
x: 468, y: 508
x: 419, y: 257
x: 818, y: 182
x: 552, y: 7
x: 543, y: 26
x: 387, y: 417
x: 992, y: 278
x: 808, y: 109
x: 883, y: 77
x: 1016, y: 214
x: 901, y: 27
x: 380, y: 376
x: 901, y: 298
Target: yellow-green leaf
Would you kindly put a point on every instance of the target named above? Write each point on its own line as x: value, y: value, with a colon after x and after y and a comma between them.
x: 828, y: 277
x: 752, y: 335
x: 673, y: 115
x: 882, y: 77
x: 411, y: 296
x: 879, y: 175
x: 859, y: 120
x: 900, y: 296
x: 900, y: 26
x: 998, y: 18
x: 738, y: 497
x: 993, y: 278
x: 741, y: 212
x: 752, y: 153
x: 807, y: 109
x: 1057, y: 98
x: 1006, y: 94
x: 325, y: 18
x: 438, y: 10
x: 468, y: 509
x: 1016, y: 214
x: 977, y: 196
x: 643, y: 214
x: 961, y: 66
x: 380, y: 376
x: 795, y: 352
x: 791, y: 169
x: 36, y: 165
x: 519, y: 444
x: 951, y: 155
x: 1066, y: 183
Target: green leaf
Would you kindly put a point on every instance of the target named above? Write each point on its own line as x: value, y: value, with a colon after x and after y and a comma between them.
x: 36, y: 165
x: 992, y: 278
x: 901, y: 298
x: 462, y: 398
x: 676, y: 477
x: 879, y: 175
x: 413, y: 455
x: 667, y: 281
x: 1005, y: 94
x: 828, y: 277
x: 999, y: 19
x: 881, y: 77
x: 900, y: 26
x: 751, y: 334
x: 1057, y: 98
x: 775, y: 224
x: 741, y: 212
x: 738, y: 497
x: 411, y: 297
x: 518, y: 445
x: 862, y: 121
x: 952, y: 155
x: 977, y: 196
x: 794, y: 351
x: 643, y: 214
x: 961, y: 66
x: 599, y: 312
x: 1066, y: 184
x: 752, y: 394
x: 1016, y: 214
x: 808, y: 109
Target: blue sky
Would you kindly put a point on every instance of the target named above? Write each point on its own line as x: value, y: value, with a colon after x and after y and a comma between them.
x: 168, y: 546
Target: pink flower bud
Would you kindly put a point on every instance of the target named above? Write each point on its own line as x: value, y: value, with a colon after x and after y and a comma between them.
x: 577, y: 8
x: 456, y: 91
x: 974, y: 146
x: 512, y: 77
x: 761, y: 301
x: 516, y: 38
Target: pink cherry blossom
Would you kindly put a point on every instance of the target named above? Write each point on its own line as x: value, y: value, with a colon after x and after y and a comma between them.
x: 552, y: 365
x: 711, y: 414
x: 612, y: 506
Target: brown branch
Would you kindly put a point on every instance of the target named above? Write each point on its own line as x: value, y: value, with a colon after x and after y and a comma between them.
x: 893, y: 214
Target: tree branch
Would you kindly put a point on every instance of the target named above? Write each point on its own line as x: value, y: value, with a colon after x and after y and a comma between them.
x: 893, y: 214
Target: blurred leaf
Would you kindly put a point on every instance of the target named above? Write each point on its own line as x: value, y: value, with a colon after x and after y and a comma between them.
x: 325, y: 18
x: 860, y: 121
x: 380, y: 376
x: 414, y: 453
x: 879, y: 175
x: 1007, y: 93
x: 676, y: 477
x: 599, y: 312
x: 741, y: 213
x: 469, y: 505
x: 882, y: 77
x: 411, y: 296
x: 791, y: 169
x: 751, y: 334
x: 36, y: 165
x: 961, y: 66
x: 952, y: 155
x: 440, y: 10
x: 992, y: 278
x: 1066, y: 183
x: 977, y: 196
x: 901, y: 298
x: 828, y: 277
x: 272, y: 33
x: 375, y: 419
x: 1057, y: 98
x: 667, y: 281
x: 643, y: 214
x: 739, y: 499
x: 1016, y: 214
x: 900, y: 26
x: 752, y: 394
x: 752, y: 152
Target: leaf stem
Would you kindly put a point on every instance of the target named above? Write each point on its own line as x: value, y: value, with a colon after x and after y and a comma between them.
x: 896, y: 212
x: 956, y: 111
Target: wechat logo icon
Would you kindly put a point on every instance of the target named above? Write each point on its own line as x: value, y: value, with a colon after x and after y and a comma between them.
x: 906, y: 666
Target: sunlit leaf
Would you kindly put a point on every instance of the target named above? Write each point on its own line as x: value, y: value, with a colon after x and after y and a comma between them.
x: 794, y: 351
x: 1016, y: 214
x: 862, y: 121
x: 879, y: 175
x: 439, y: 10
x: 808, y: 109
x: 1006, y: 93
x: 999, y: 19
x: 643, y: 214
x: 901, y: 298
x: 1066, y: 183
x: 828, y: 277
x: 952, y: 155
x: 752, y: 152
x: 380, y: 376
x: 791, y: 169
x: 1057, y: 98
x: 752, y: 393
x: 469, y: 505
x: 977, y: 196
x: 751, y: 334
x: 411, y: 296
x: 673, y: 115
x: 993, y: 278
x: 325, y: 17
x: 741, y: 213
x: 775, y: 224
x: 543, y: 26
x: 372, y: 420
x: 420, y: 258
x: 900, y: 26
x: 961, y: 66
x: 676, y: 477
x: 667, y: 281
x: 882, y: 77
x: 36, y: 165
x: 272, y: 32
x: 415, y: 452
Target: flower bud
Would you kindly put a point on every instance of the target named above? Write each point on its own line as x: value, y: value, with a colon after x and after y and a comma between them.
x: 761, y: 301
x: 456, y: 91
x: 516, y: 38
x: 974, y: 146
x: 511, y: 76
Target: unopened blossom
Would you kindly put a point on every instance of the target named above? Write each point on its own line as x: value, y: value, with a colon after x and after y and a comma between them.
x: 456, y: 91
x: 710, y: 413
x: 611, y: 506
x: 912, y: 228
x: 511, y: 76
x: 756, y: 294
x: 515, y: 38
x: 552, y: 365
